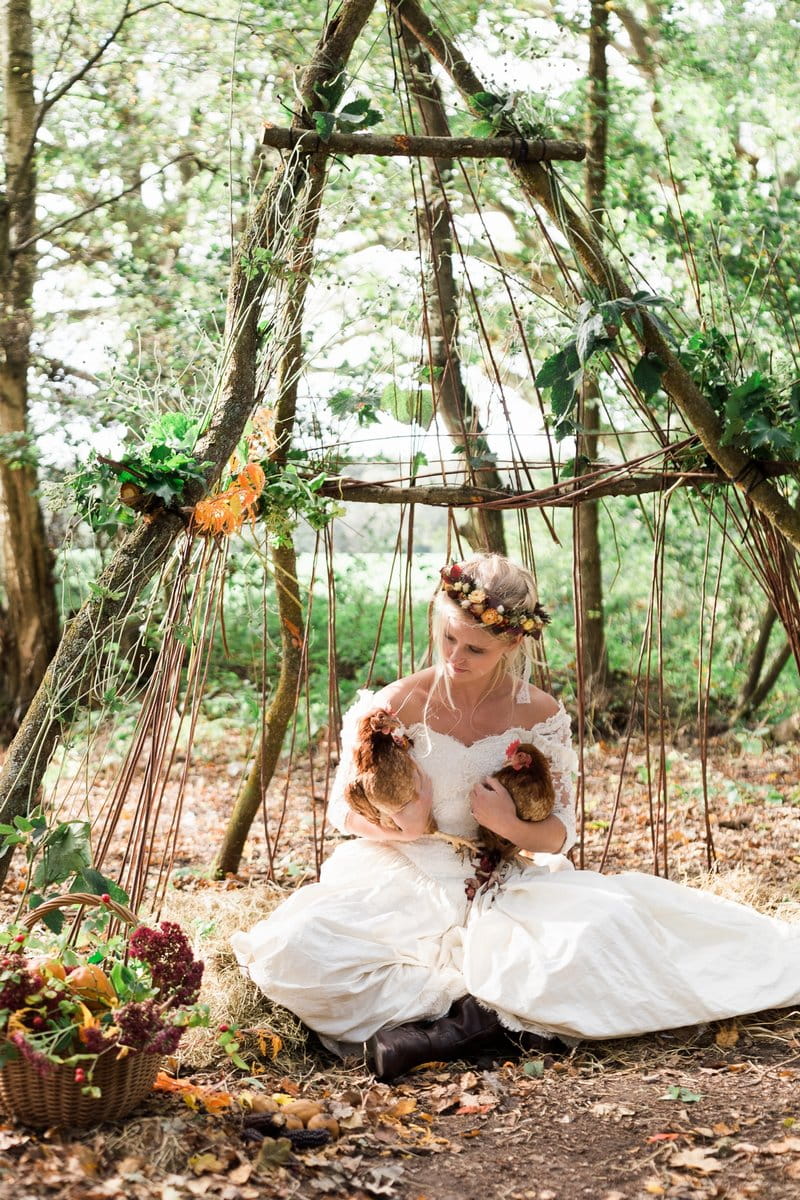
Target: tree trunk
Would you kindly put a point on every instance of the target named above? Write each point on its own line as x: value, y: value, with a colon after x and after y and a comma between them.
x: 482, y: 528
x: 757, y: 659
x: 759, y: 684
x: 590, y: 565
x: 276, y: 720
x: 29, y: 618
x: 69, y: 678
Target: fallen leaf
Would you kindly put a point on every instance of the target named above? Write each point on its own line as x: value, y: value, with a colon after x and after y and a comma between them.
x: 201, y: 1164
x: 241, y: 1174
x: 685, y: 1095
x: 273, y: 1152
x: 727, y: 1036
x: 601, y: 1109
x: 696, y: 1160
x: 268, y: 1043
x: 402, y: 1108
x: 654, y: 1188
x: 789, y: 1145
x: 664, y: 1137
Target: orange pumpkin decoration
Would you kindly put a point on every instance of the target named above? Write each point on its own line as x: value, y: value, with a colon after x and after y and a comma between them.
x: 51, y: 968
x: 91, y: 983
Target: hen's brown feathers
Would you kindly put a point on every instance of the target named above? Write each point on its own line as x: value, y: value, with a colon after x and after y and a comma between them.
x: 386, y: 779
x: 526, y: 777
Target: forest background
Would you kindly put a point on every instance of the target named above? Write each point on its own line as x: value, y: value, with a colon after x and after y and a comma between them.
x: 133, y: 155
x: 181, y: 299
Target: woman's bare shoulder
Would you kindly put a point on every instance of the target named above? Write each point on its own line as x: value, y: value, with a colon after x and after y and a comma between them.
x: 539, y: 707
x: 408, y: 696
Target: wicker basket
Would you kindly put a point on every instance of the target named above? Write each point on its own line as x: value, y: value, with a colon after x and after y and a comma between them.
x: 55, y: 1098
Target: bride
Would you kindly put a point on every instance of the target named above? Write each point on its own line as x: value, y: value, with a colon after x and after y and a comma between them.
x: 392, y: 949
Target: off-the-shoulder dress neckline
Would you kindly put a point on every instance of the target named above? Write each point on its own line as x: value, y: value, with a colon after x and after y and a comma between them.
x: 510, y: 733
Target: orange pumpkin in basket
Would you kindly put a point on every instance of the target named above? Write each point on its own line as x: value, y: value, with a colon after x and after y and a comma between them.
x: 91, y: 983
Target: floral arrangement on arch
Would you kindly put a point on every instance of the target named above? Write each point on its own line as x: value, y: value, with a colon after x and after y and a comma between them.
x: 58, y: 1008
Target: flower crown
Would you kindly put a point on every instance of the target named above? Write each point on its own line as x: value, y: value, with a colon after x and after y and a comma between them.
x: 496, y: 618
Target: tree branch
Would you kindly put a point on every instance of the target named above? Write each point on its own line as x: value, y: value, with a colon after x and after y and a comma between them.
x: 565, y: 494
x: 134, y: 187
x: 520, y: 149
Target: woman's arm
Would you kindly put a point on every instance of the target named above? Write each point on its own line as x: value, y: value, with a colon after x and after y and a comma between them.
x: 413, y: 819
x: 493, y: 808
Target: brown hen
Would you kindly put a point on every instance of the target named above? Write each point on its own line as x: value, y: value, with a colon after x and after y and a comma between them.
x: 386, y: 779
x: 526, y: 777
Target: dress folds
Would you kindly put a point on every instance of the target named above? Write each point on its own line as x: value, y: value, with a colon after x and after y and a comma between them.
x: 388, y: 935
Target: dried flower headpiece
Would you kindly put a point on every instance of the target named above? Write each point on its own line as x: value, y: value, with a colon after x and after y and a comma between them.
x: 496, y: 618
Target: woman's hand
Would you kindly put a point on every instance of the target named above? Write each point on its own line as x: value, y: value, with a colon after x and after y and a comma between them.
x: 492, y: 806
x: 412, y: 821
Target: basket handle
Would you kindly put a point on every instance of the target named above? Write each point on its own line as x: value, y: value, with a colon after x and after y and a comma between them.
x: 81, y: 900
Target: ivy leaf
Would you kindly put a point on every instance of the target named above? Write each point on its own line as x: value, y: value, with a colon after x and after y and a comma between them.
x: 324, y: 123
x: 588, y: 333
x: 755, y: 384
x: 486, y: 102
x: 574, y: 467
x: 355, y: 108
x: 408, y: 406
x: 649, y: 300
x: 564, y: 392
x: 91, y: 880
x: 65, y: 852
x: 329, y: 92
x: 647, y: 375
x: 560, y: 365
x: 763, y: 435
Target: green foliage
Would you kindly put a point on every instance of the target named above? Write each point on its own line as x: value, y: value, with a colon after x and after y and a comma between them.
x: 290, y: 495
x: 18, y: 450
x: 162, y: 466
x: 57, y: 855
x: 351, y: 117
x: 758, y: 415
x: 503, y: 115
x: 596, y: 330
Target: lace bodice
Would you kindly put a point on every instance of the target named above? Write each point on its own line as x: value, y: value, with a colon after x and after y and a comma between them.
x: 454, y: 768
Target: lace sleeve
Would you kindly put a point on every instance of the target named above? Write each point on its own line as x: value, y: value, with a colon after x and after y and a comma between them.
x: 337, y: 805
x: 554, y: 738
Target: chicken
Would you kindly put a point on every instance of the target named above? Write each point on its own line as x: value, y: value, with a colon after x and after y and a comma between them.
x: 526, y: 777
x: 386, y: 778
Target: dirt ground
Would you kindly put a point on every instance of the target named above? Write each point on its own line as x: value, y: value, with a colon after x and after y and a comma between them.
x: 706, y: 1112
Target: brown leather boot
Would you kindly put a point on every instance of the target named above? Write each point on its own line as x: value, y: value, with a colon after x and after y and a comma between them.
x: 466, y: 1027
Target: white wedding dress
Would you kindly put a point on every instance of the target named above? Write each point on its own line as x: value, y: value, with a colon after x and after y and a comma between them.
x: 388, y: 935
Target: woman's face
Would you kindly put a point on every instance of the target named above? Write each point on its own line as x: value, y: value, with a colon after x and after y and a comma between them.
x: 471, y: 654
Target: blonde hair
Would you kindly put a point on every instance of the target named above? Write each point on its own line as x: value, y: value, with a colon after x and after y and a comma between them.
x: 507, y: 584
